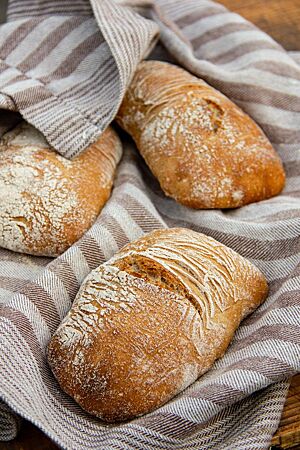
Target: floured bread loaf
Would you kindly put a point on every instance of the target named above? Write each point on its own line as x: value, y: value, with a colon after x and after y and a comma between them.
x: 46, y: 201
x: 204, y: 151
x: 151, y: 320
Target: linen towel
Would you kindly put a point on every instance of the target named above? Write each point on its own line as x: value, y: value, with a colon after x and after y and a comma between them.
x: 65, y: 68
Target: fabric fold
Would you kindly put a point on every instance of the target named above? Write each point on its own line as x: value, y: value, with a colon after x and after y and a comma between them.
x: 19, y: 9
x: 66, y: 70
x: 69, y: 84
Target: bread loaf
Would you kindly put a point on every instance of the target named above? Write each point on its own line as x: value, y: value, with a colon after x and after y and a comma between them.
x: 46, y: 201
x: 204, y: 150
x: 150, y: 321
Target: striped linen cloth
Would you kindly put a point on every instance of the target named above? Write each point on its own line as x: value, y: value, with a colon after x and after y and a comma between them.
x: 65, y: 67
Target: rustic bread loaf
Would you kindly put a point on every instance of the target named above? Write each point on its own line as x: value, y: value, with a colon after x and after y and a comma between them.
x: 46, y: 201
x: 204, y: 150
x: 151, y: 320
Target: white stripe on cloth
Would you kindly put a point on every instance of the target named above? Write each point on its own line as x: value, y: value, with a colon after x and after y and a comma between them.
x: 230, y: 42
x: 69, y: 43
x: 202, y: 26
x: 280, y: 316
x: 267, y: 231
x: 41, y: 330
x: 33, y: 40
x: 272, y: 116
x: 78, y: 263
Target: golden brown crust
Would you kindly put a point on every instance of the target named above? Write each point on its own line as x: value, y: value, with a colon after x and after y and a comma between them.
x: 150, y: 321
x: 204, y: 150
x: 48, y: 202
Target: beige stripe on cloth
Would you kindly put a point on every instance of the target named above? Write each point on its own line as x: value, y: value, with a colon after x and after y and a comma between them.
x: 65, y: 67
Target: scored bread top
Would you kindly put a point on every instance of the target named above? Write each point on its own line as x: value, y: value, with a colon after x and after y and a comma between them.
x: 148, y: 322
x: 203, y: 149
x: 126, y: 345
x: 195, y: 265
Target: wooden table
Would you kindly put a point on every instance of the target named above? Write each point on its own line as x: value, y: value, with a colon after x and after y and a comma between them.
x: 288, y: 433
x: 280, y: 19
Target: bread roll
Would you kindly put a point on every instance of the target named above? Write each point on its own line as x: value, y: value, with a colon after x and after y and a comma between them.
x: 204, y: 150
x: 150, y: 321
x: 46, y: 201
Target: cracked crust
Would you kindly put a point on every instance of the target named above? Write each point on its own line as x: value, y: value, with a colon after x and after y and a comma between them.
x: 150, y: 321
x: 46, y: 201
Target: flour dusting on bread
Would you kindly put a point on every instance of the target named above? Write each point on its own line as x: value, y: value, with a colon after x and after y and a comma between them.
x: 47, y: 201
x: 193, y: 138
x: 151, y: 320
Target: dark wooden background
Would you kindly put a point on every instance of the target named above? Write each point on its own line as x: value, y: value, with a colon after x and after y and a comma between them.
x: 281, y: 19
x: 3, y: 5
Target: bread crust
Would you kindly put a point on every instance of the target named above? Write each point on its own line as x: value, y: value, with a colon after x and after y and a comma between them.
x: 151, y: 320
x: 203, y: 149
x: 46, y: 201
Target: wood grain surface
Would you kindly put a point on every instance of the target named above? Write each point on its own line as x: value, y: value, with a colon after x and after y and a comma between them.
x: 3, y: 6
x: 288, y: 433
x: 280, y: 19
